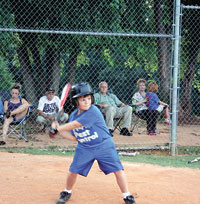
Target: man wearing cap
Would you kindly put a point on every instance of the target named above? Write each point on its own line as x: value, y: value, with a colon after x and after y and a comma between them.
x: 47, y: 109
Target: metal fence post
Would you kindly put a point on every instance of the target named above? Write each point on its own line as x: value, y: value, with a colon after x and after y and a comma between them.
x: 175, y: 78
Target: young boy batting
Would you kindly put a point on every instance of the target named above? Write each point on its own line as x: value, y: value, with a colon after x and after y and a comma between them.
x: 87, y: 126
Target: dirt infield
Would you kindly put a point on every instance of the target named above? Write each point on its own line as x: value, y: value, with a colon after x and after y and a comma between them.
x: 34, y: 179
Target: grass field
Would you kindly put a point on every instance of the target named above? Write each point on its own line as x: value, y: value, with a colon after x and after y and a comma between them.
x: 162, y: 160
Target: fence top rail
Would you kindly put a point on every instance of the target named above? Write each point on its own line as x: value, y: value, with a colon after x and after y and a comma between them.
x: 190, y: 7
x: 85, y: 33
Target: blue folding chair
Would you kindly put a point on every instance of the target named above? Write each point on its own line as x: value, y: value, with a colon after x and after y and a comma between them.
x: 1, y: 110
x: 18, y: 127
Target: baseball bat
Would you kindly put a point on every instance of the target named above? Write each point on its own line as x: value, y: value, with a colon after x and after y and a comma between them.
x: 194, y: 160
x: 130, y: 154
x: 64, y: 95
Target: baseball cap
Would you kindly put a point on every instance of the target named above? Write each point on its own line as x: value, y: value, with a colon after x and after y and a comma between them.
x: 50, y: 89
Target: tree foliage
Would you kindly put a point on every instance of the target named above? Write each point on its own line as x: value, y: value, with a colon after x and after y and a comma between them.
x: 45, y: 59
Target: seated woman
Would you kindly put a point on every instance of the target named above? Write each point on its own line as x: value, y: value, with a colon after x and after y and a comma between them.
x: 15, y: 109
x: 140, y: 100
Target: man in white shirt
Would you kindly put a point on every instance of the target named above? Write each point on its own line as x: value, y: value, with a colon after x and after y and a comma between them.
x: 47, y: 109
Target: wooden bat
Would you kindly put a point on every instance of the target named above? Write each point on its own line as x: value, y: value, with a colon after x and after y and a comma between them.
x: 194, y: 160
x: 129, y: 154
x: 64, y: 95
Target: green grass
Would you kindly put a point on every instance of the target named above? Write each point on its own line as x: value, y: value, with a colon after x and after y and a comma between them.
x: 192, y: 150
x: 162, y: 160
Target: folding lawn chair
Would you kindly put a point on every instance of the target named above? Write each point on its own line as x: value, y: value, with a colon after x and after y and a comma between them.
x: 1, y: 112
x: 18, y: 128
x: 138, y: 123
x: 117, y: 124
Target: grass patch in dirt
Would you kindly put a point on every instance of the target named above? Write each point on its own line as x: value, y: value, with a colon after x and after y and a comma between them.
x: 162, y: 160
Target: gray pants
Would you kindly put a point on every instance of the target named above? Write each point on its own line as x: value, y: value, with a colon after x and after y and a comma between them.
x: 42, y: 120
x: 113, y: 112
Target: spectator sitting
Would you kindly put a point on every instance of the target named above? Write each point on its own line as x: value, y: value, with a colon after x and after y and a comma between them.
x: 47, y: 109
x: 15, y: 109
x: 154, y: 102
x: 112, y: 107
x: 140, y: 100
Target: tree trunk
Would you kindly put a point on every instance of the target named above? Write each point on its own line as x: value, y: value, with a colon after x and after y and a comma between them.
x: 185, y: 102
x: 28, y: 82
x: 191, y: 38
x: 38, y: 72
x: 56, y: 72
x: 73, y: 62
x: 53, y: 68
x: 163, y: 52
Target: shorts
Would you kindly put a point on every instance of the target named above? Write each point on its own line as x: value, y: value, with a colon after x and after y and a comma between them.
x: 17, y: 120
x: 105, y: 154
x: 161, y: 108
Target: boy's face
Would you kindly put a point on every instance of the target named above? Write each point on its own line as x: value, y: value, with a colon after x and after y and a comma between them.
x: 84, y: 102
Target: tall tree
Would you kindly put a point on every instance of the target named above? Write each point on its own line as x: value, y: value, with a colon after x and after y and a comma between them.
x: 164, y: 45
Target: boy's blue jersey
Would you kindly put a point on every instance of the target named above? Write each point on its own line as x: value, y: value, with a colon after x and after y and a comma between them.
x: 94, y: 130
x: 153, y: 100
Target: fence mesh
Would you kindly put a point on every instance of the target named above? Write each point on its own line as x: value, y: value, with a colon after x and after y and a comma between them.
x: 50, y: 43
x: 189, y: 77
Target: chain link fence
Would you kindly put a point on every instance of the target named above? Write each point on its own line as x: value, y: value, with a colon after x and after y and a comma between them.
x: 50, y: 43
x: 189, y: 78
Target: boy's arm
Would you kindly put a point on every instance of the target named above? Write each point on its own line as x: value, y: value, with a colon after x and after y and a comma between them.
x: 64, y: 130
x: 162, y: 103
x: 69, y: 126
x: 67, y: 135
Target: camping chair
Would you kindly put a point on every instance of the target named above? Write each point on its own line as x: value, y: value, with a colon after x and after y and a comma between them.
x: 15, y: 126
x: 18, y: 128
x: 117, y: 121
x: 1, y: 112
x: 117, y: 124
x: 137, y: 123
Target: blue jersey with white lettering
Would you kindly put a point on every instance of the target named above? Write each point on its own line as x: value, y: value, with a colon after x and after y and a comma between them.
x: 94, y: 130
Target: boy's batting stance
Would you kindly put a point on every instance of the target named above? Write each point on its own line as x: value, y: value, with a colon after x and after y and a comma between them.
x: 87, y: 126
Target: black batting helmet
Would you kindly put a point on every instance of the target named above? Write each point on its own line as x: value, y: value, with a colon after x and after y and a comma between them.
x: 81, y: 89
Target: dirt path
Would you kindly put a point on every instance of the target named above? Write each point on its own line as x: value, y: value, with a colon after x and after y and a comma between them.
x: 34, y: 179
